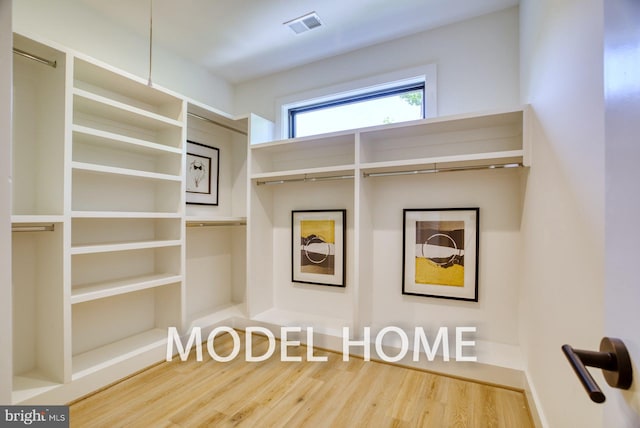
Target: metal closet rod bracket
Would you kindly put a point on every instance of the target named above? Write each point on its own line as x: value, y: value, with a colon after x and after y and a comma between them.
x: 614, y: 361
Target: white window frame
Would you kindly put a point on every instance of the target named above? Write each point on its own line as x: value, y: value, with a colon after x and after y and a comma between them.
x: 423, y: 74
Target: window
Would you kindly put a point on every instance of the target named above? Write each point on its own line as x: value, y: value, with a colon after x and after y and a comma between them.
x: 389, y: 105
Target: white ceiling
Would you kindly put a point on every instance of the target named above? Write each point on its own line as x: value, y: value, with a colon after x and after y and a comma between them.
x: 244, y: 39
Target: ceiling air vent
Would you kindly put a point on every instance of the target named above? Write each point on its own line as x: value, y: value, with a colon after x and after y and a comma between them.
x: 304, y: 23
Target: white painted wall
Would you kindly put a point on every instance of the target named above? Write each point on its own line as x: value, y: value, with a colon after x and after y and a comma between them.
x: 498, y: 195
x: 622, y: 293
x: 477, y: 65
x: 6, y: 68
x: 74, y: 25
x: 563, y: 216
x: 329, y: 302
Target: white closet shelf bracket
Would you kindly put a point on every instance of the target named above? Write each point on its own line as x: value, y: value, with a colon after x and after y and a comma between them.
x: 36, y: 58
x: 435, y: 169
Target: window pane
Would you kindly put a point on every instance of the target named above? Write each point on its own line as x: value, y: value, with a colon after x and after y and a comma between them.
x: 369, y: 112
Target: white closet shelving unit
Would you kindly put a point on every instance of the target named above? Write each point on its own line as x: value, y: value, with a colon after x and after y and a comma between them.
x: 216, y: 234
x: 99, y: 222
x: 127, y: 209
x: 38, y: 221
x: 337, y: 170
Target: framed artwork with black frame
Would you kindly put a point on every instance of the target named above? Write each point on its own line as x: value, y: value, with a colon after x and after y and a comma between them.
x: 318, y: 247
x: 440, y: 253
x: 202, y: 174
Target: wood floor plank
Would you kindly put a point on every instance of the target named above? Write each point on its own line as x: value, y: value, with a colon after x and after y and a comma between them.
x: 273, y: 393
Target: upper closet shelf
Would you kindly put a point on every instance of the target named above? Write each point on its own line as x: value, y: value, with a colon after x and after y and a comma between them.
x: 102, y: 79
x: 103, y: 169
x: 36, y: 219
x: 122, y: 214
x: 202, y: 112
x: 124, y: 246
x: 307, y: 173
x: 510, y: 158
x: 100, y: 138
x: 106, y: 108
x: 490, y: 139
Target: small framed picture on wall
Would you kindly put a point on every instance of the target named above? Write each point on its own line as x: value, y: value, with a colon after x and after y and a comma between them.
x: 440, y: 253
x: 318, y: 247
x: 202, y: 174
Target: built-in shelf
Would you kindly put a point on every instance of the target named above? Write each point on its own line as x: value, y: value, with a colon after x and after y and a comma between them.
x: 113, y: 353
x: 494, y: 159
x: 87, y: 292
x: 100, y: 106
x: 490, y: 139
x: 199, y: 111
x: 101, y: 169
x: 112, y: 140
x: 34, y: 219
x: 123, y: 214
x: 331, y: 152
x: 129, y: 89
x: 308, y: 173
x: 124, y: 246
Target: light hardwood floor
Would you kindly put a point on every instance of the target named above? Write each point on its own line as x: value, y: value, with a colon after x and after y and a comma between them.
x: 296, y: 394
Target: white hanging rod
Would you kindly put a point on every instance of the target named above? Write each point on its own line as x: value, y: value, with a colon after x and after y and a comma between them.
x: 305, y: 179
x: 216, y: 223
x: 206, y: 119
x: 33, y: 228
x: 435, y: 169
x: 36, y: 58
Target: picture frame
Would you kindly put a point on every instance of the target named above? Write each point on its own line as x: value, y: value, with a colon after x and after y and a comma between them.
x: 440, y: 253
x: 318, y: 247
x: 202, y: 174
